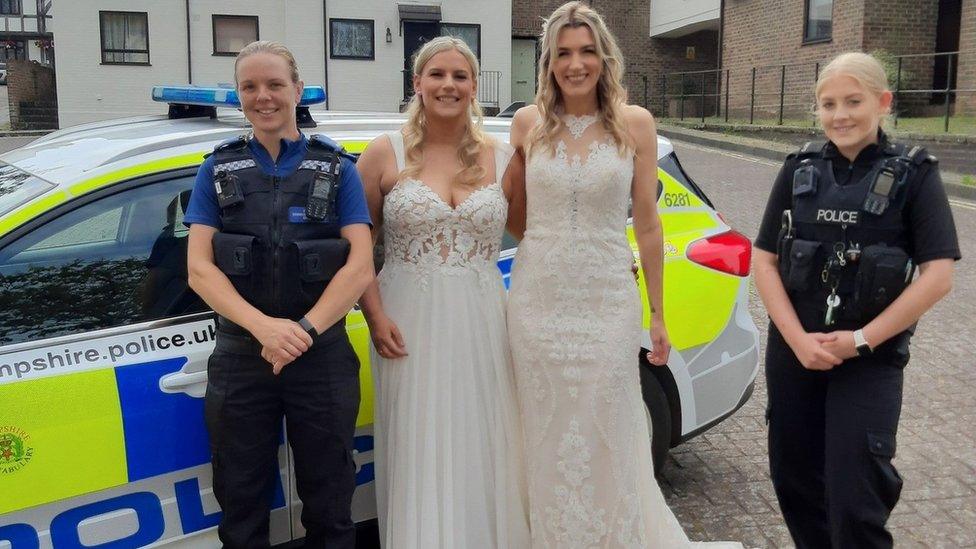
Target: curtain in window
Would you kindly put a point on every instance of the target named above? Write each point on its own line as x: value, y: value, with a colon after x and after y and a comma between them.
x: 231, y: 34
x: 125, y: 38
x: 469, y: 33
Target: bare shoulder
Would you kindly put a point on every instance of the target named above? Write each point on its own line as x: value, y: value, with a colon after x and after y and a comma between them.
x: 379, y: 147
x: 526, y: 117
x: 639, y: 119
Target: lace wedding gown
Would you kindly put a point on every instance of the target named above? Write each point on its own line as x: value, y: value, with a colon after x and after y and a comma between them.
x: 574, y: 318
x: 448, y: 451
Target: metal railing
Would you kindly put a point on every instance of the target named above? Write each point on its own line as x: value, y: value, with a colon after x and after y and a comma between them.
x: 922, y: 85
x: 488, y: 82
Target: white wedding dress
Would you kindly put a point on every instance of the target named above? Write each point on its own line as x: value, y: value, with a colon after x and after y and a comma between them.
x: 574, y: 319
x: 448, y: 451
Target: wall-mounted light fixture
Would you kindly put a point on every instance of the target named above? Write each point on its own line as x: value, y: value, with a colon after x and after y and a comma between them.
x: 389, y: 36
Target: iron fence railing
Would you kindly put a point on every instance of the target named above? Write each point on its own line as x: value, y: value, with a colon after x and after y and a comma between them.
x: 488, y: 82
x: 923, y: 85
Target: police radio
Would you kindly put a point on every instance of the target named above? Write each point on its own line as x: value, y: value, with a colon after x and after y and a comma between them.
x: 882, y: 191
x: 228, y: 189
x: 322, y: 192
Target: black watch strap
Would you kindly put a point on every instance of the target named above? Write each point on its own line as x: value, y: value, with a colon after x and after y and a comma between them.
x: 307, y: 326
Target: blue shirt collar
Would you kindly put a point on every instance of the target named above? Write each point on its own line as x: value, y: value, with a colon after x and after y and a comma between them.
x: 291, y: 155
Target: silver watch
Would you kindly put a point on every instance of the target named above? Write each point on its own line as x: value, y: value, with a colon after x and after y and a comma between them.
x: 861, y: 344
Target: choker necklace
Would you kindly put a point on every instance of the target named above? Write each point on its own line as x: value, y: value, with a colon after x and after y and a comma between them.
x: 578, y: 124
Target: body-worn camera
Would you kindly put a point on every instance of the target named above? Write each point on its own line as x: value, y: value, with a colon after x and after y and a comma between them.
x: 882, y: 192
x: 805, y: 179
x: 228, y: 189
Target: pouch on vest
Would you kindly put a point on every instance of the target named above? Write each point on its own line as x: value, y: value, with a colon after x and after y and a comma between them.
x: 319, y: 261
x: 803, y: 266
x: 883, y: 274
x: 233, y: 253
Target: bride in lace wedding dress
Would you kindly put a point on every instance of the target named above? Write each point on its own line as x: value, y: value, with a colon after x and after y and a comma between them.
x: 574, y: 310
x: 448, y: 451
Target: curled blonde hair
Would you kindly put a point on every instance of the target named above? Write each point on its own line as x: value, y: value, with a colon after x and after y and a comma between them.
x: 863, y: 67
x: 415, y: 129
x: 272, y: 47
x: 610, y: 92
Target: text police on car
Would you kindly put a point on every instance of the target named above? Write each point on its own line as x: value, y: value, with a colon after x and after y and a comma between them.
x: 280, y: 248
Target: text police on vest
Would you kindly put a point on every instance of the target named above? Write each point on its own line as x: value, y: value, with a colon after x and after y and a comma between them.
x: 838, y: 216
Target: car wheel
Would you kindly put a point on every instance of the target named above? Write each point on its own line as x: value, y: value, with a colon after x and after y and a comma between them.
x: 659, y: 412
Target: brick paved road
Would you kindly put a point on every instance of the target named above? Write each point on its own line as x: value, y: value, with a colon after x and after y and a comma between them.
x: 718, y: 484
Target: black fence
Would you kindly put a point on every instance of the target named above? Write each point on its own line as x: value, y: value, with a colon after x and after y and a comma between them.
x: 924, y: 88
x: 488, y: 82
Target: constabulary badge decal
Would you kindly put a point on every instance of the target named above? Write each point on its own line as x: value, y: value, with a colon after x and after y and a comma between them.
x: 15, y: 449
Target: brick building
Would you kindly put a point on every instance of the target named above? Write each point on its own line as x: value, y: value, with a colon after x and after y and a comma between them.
x: 649, y: 52
x: 769, y: 34
x: 786, y: 41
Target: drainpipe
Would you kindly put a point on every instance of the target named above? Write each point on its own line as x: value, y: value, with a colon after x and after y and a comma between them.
x: 325, y: 50
x: 189, y: 61
x: 721, y: 31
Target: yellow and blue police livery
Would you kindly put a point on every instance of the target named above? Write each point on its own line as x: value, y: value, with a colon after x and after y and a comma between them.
x: 103, y: 347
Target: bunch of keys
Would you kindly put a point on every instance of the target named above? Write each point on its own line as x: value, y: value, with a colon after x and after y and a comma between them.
x: 835, y: 264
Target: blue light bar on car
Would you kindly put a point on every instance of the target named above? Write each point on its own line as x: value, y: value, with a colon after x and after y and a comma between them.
x: 221, y: 97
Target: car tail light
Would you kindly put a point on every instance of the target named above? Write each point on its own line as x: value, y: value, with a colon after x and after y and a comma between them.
x: 726, y: 252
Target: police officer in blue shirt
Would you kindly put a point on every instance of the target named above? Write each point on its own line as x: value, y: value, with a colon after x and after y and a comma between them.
x: 280, y: 248
x: 846, y: 225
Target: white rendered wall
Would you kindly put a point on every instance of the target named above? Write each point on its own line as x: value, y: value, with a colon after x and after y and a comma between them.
x: 89, y: 91
x: 378, y: 85
x: 680, y: 17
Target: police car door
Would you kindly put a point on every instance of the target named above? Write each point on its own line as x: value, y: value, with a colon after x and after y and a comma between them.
x: 103, y: 353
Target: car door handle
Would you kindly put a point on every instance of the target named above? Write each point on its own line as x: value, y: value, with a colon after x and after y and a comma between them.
x: 193, y: 383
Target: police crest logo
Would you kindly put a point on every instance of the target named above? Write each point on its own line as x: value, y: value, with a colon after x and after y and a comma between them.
x: 15, y: 453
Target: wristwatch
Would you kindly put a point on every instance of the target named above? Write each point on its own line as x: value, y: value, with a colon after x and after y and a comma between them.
x: 861, y: 344
x: 307, y: 326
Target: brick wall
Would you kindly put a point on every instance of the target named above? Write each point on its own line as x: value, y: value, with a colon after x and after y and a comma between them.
x: 32, y: 96
x: 768, y: 34
x: 966, y: 102
x: 903, y: 27
x: 644, y: 57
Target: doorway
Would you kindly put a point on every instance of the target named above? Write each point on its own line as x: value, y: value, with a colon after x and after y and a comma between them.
x: 524, y: 61
x: 415, y: 35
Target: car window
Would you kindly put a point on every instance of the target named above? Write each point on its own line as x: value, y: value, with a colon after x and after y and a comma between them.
x: 18, y: 186
x: 114, y: 261
x: 673, y: 168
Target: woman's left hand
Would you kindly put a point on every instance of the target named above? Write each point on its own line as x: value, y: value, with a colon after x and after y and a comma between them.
x: 277, y: 360
x: 660, y: 345
x: 842, y: 346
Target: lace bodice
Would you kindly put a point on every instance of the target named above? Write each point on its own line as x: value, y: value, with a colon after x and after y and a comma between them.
x: 581, y: 193
x: 423, y: 233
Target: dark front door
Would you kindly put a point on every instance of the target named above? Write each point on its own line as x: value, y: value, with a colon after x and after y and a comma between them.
x: 415, y: 35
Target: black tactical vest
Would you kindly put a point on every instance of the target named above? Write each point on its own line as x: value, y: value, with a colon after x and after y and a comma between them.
x: 839, y: 246
x: 278, y: 259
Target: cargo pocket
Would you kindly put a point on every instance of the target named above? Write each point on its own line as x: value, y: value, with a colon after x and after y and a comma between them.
x: 888, y: 483
x: 234, y: 256
x: 801, y: 273
x: 318, y: 262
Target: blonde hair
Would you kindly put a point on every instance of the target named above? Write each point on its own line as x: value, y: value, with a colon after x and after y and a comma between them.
x: 864, y: 68
x: 415, y: 129
x: 611, y: 95
x: 272, y: 47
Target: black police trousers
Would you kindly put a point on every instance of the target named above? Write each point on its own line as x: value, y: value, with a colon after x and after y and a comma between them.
x: 831, y: 440
x: 318, y: 395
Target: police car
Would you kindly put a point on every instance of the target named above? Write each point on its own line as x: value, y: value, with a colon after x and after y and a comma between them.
x: 103, y: 347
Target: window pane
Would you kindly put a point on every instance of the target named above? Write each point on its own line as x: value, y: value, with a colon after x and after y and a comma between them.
x: 136, y: 33
x: 468, y: 33
x: 116, y: 261
x: 122, y: 32
x: 819, y: 19
x: 352, y: 39
x: 231, y: 34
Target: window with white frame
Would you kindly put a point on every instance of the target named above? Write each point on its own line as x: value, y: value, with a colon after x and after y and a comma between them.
x: 125, y: 37
x: 232, y: 32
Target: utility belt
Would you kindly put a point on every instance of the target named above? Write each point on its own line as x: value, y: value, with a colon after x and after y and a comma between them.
x: 233, y: 339
x: 849, y: 282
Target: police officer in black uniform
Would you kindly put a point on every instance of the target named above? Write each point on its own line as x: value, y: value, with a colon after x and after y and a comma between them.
x: 848, y: 223
x: 280, y: 248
